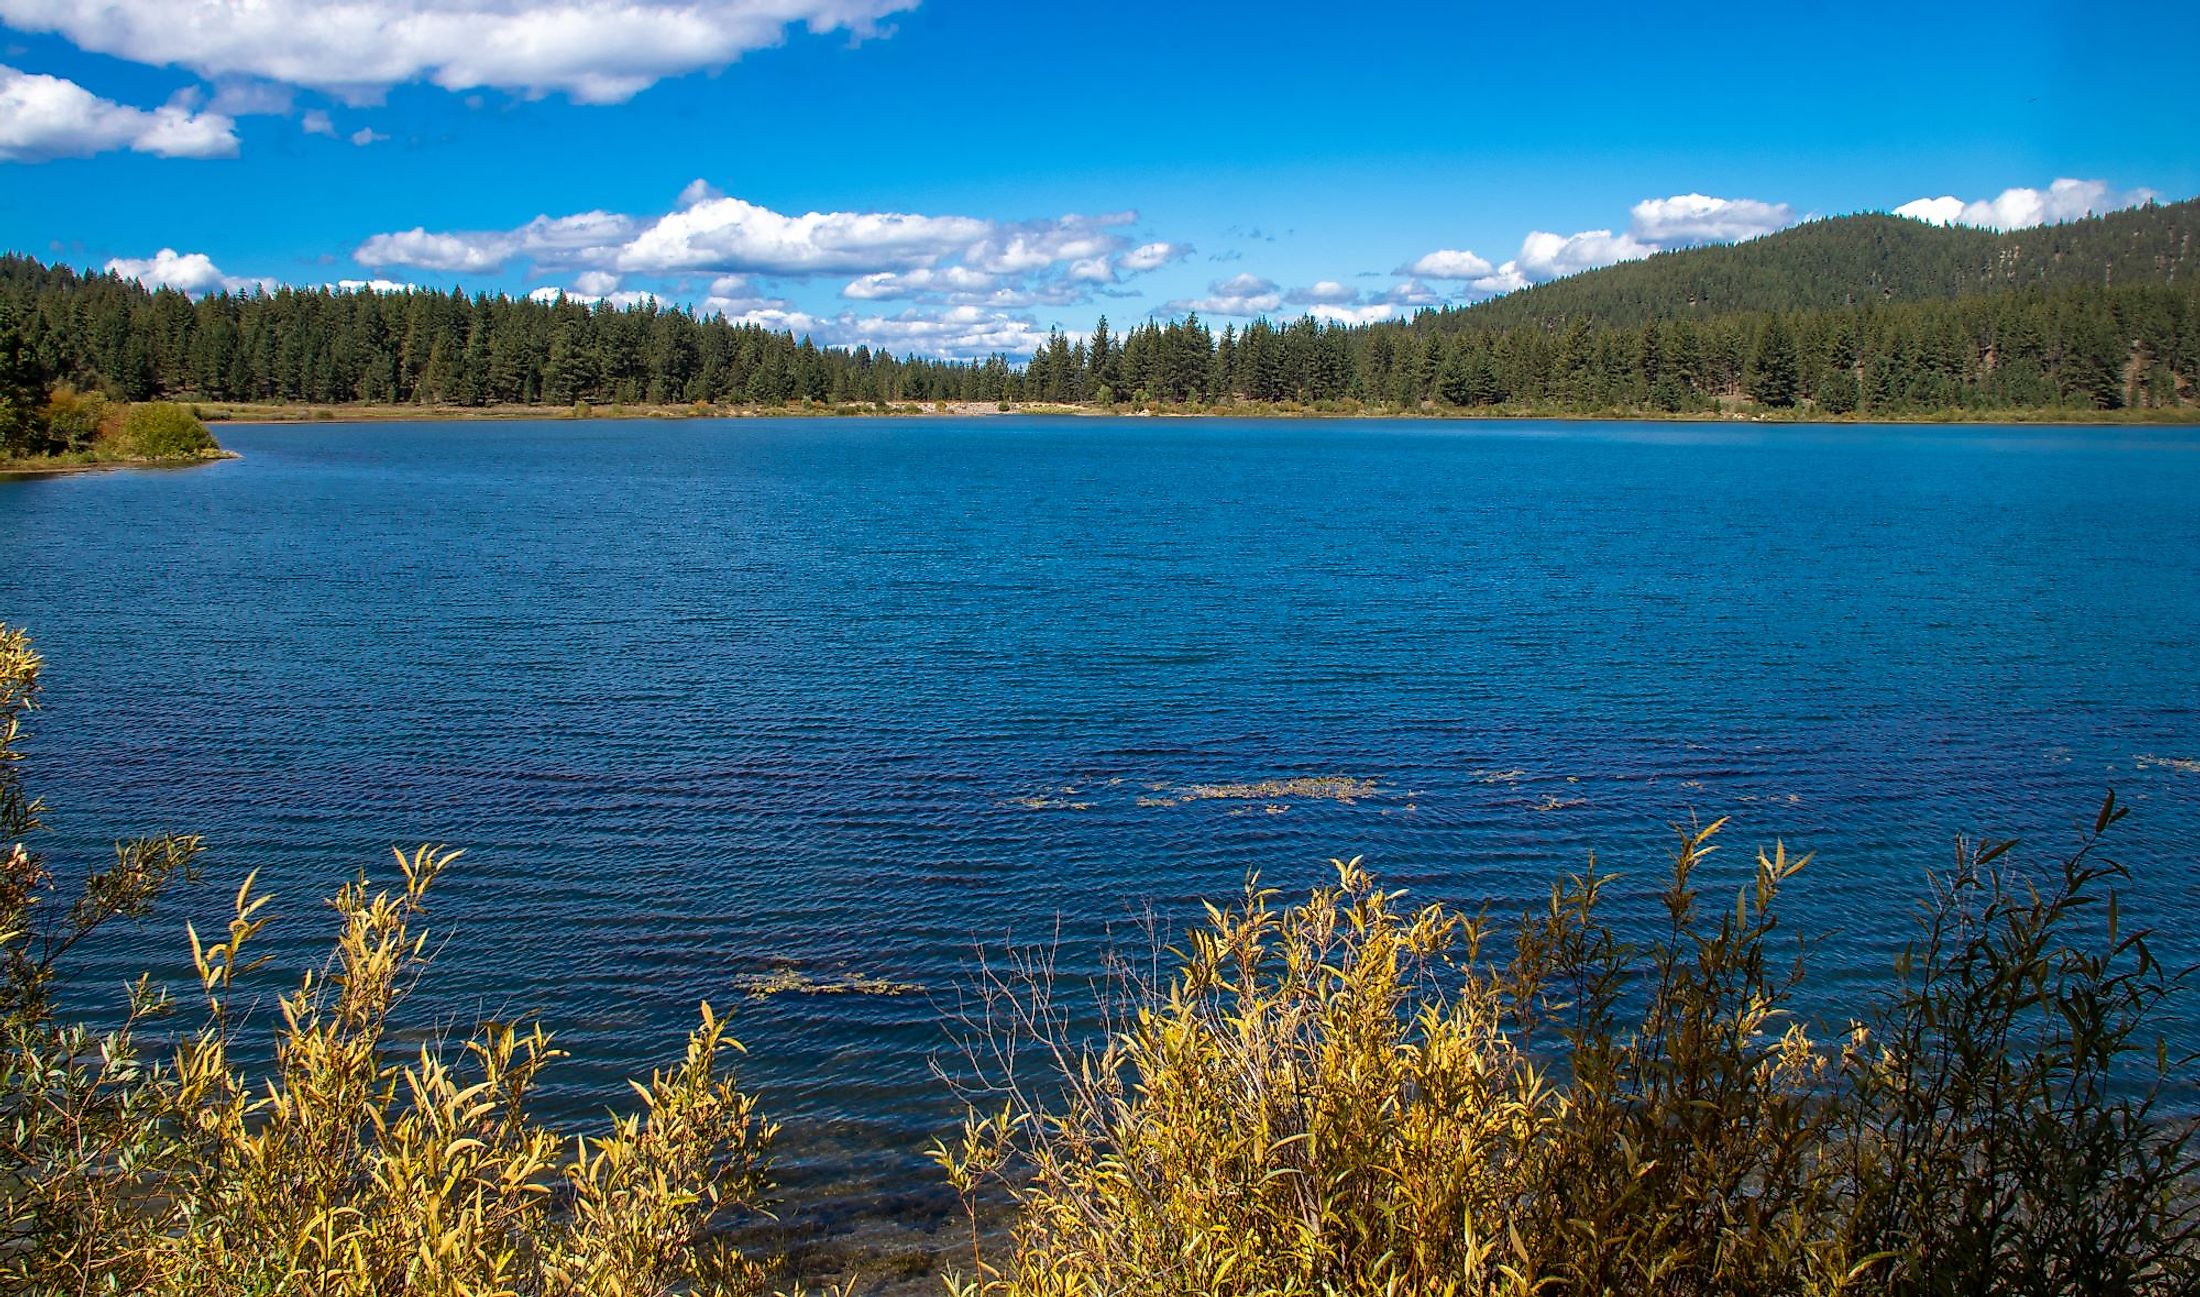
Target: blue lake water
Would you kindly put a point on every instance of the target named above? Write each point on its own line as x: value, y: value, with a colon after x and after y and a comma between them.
x: 706, y: 699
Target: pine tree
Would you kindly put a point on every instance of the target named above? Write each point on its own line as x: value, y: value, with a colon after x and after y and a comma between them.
x: 1770, y: 376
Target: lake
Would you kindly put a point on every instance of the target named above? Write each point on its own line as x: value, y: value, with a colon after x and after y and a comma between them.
x: 708, y: 701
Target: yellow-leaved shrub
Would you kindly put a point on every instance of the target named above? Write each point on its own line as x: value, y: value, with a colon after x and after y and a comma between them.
x: 353, y: 1168
x: 1357, y: 1095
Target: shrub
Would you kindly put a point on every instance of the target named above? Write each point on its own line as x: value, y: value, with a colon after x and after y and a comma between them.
x: 1352, y: 1095
x: 163, y: 430
x: 353, y: 1168
x: 73, y: 418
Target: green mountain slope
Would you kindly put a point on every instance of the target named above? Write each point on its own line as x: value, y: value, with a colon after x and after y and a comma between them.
x: 1851, y: 261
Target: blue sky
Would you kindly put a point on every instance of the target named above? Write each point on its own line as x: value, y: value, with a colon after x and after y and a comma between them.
x: 956, y: 177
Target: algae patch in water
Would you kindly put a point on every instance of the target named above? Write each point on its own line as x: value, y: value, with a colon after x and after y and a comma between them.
x: 802, y: 981
x: 2184, y: 765
x: 1319, y: 788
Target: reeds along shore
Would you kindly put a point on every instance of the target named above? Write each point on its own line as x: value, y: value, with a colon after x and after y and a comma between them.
x: 1345, y: 1093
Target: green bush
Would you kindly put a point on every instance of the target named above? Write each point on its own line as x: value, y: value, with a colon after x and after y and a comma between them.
x: 163, y: 430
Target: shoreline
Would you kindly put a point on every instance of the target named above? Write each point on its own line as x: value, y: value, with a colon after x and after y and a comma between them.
x: 35, y: 468
x: 253, y: 414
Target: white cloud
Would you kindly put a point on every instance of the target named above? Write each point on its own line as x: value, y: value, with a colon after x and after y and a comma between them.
x: 375, y: 286
x: 589, y: 238
x: 1324, y: 292
x: 1544, y: 255
x: 1447, y: 263
x: 1946, y: 210
x: 595, y: 283
x: 418, y: 247
x: 1342, y: 304
x: 317, y: 122
x: 911, y: 283
x: 595, y: 51
x: 1021, y: 247
x: 2019, y: 209
x: 1240, y: 295
x: 732, y: 234
x: 1700, y: 218
x: 1152, y: 256
x: 43, y: 117
x: 366, y: 135
x: 190, y: 272
x: 938, y: 260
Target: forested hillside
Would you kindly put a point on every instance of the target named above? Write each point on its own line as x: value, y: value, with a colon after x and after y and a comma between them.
x: 1867, y: 314
x: 1853, y: 261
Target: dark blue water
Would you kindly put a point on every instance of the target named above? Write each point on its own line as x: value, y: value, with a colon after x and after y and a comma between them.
x: 708, y: 699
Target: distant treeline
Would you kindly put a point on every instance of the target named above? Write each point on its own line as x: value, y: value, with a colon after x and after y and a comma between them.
x: 2075, y: 346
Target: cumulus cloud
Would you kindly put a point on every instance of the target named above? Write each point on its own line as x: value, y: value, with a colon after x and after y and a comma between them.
x: 1152, y: 256
x: 594, y: 51
x: 1240, y: 295
x: 596, y: 283
x: 1340, y: 303
x: 2019, y: 209
x: 886, y: 284
x: 732, y: 234
x: 43, y: 117
x: 1326, y: 292
x: 190, y: 272
x: 375, y: 286
x: 1544, y: 255
x: 1699, y: 218
x: 317, y: 122
x: 366, y: 135
x: 936, y: 260
x: 564, y: 241
x: 1447, y: 263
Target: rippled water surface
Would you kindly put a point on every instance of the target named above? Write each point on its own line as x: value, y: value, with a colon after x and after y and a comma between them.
x: 706, y: 700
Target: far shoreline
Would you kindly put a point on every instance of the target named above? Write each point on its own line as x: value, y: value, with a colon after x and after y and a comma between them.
x: 275, y: 415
